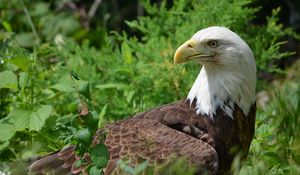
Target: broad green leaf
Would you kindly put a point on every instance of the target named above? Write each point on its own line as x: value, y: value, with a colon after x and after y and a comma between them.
x: 7, y: 131
x: 19, y: 118
x: 8, y: 80
x: 65, y: 84
x: 21, y: 62
x: 100, y: 155
x: 40, y: 8
x: 27, y: 39
x: 38, y: 118
x: 4, y: 145
x: 32, y: 120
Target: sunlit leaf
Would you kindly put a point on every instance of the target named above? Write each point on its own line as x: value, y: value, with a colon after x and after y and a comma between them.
x: 8, y: 80
x: 111, y: 85
x: 27, y: 119
x: 21, y: 62
x: 7, y: 131
x: 126, y: 53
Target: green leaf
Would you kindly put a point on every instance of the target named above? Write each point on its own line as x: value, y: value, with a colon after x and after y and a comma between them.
x: 140, y: 167
x: 23, y: 80
x: 101, y: 116
x: 27, y: 39
x: 7, y: 26
x: 7, y: 131
x: 32, y: 120
x: 39, y: 117
x: 8, y: 80
x: 84, y: 88
x: 64, y: 85
x: 78, y: 163
x: 84, y: 136
x: 4, y: 145
x: 95, y: 171
x: 129, y: 95
x: 100, y: 155
x: 111, y: 85
x: 21, y: 62
x: 40, y: 9
x: 126, y: 53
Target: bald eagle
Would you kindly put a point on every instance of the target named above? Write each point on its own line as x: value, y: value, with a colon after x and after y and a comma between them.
x: 210, y: 127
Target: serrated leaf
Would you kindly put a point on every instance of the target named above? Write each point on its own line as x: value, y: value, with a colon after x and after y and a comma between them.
x: 38, y: 118
x: 32, y: 120
x: 7, y: 131
x: 8, y: 80
x: 65, y: 84
x: 100, y: 155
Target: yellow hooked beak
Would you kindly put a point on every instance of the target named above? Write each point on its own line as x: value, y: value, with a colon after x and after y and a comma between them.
x: 187, y: 52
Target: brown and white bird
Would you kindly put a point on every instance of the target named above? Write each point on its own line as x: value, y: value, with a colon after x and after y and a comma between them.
x: 209, y: 128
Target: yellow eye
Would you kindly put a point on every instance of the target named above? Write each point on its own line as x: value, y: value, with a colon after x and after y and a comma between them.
x: 213, y: 43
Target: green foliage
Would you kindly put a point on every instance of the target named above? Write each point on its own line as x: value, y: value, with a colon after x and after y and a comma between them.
x: 56, y: 91
x: 275, y: 149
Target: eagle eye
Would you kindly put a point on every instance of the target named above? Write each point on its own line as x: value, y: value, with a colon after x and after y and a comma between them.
x: 213, y: 43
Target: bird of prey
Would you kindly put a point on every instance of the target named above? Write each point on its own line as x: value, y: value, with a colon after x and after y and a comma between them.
x: 210, y: 127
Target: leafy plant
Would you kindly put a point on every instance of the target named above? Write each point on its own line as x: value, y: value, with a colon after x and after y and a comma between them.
x: 46, y: 76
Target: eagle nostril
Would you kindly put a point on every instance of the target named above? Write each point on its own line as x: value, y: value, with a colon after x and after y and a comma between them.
x: 190, y: 46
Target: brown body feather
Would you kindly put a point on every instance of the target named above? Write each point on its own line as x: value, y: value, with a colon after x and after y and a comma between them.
x: 173, y: 130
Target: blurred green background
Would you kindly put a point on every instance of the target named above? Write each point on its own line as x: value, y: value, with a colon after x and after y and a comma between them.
x: 116, y: 57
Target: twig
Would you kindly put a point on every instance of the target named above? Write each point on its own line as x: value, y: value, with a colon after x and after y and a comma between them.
x: 94, y: 8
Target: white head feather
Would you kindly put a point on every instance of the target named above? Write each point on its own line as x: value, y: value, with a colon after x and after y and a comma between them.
x: 228, y: 75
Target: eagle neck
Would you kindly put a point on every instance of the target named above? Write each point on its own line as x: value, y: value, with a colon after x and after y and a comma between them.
x: 221, y: 88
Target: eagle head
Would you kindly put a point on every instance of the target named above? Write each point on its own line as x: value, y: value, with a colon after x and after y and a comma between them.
x: 228, y: 75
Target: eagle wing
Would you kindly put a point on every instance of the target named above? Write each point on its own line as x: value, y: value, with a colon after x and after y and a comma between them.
x: 158, y: 135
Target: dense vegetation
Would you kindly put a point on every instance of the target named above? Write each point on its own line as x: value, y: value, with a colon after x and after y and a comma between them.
x: 52, y: 66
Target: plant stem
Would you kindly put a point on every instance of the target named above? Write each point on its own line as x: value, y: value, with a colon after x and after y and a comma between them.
x: 27, y: 14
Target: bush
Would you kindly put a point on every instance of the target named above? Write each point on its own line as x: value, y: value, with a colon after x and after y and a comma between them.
x: 43, y: 81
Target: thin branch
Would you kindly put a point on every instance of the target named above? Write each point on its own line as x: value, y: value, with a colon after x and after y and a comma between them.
x: 94, y: 8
